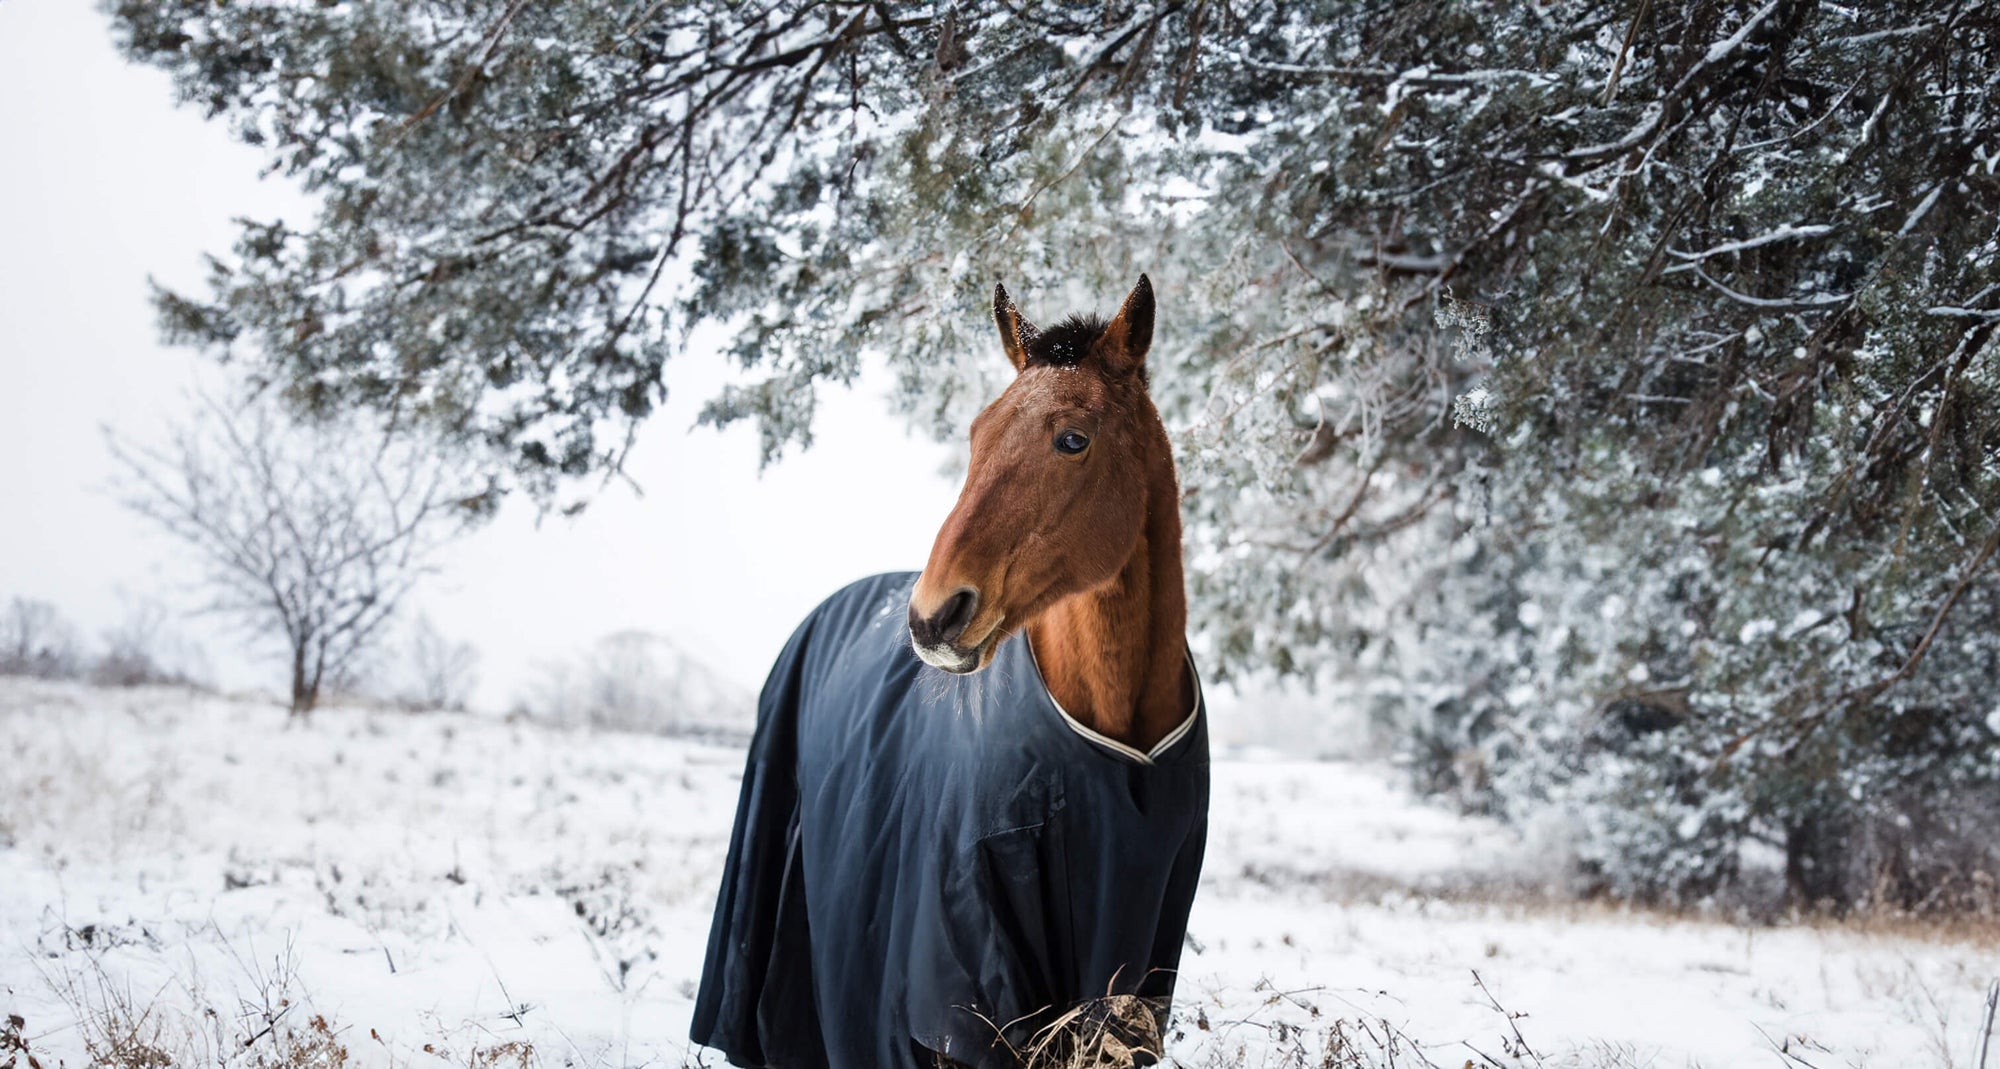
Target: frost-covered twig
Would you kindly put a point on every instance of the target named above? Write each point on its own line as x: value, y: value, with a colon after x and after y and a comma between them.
x: 1783, y: 233
x: 1986, y: 1026
x: 1790, y: 304
x: 1520, y: 1046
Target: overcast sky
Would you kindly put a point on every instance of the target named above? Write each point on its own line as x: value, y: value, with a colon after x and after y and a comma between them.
x: 104, y: 182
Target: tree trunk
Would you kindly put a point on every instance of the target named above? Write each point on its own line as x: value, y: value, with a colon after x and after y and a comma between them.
x: 305, y: 691
x: 1815, y: 864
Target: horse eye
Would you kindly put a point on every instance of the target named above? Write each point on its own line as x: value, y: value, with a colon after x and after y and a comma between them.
x: 1071, y: 442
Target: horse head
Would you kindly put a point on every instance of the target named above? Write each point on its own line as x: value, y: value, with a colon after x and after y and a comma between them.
x: 1055, y: 501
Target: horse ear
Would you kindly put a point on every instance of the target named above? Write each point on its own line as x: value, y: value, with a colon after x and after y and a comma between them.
x: 1016, y: 333
x: 1129, y: 335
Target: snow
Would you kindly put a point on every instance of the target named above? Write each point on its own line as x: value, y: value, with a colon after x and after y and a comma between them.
x: 438, y: 886
x: 1756, y: 630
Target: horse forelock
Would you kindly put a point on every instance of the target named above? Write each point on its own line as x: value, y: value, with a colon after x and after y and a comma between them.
x: 1066, y: 343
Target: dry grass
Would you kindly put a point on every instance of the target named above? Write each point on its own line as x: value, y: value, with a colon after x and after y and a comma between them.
x: 260, y: 1024
x: 14, y: 1045
x: 1525, y: 896
x: 263, y: 1021
x: 118, y: 1034
x: 1113, y: 1032
x: 1973, y: 930
x: 1125, y: 1032
x: 272, y: 1027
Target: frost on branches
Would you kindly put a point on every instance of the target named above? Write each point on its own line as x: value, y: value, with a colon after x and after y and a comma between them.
x: 1601, y: 393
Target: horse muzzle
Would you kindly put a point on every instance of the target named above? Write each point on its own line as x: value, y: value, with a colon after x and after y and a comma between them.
x: 958, y: 660
x: 938, y: 636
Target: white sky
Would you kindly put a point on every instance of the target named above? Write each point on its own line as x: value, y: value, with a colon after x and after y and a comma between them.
x: 104, y: 182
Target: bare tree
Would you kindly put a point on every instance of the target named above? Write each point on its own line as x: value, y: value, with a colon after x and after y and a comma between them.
x: 317, y: 530
x: 442, y: 672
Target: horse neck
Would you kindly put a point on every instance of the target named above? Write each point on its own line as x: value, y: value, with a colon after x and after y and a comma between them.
x: 1114, y: 657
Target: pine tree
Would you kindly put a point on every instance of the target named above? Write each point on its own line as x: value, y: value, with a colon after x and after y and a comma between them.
x: 1606, y: 392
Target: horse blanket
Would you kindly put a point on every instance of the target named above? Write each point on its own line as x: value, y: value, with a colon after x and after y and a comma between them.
x: 930, y: 865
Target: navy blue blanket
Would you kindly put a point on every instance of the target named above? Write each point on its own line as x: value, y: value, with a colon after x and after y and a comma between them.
x: 930, y: 864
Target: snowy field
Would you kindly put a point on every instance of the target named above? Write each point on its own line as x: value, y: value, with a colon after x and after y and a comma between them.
x: 189, y: 880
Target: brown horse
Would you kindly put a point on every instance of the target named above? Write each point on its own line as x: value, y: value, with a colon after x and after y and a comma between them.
x: 931, y: 863
x: 1069, y: 529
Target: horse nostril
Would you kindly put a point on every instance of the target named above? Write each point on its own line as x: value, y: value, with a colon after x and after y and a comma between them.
x: 956, y: 614
x: 947, y: 623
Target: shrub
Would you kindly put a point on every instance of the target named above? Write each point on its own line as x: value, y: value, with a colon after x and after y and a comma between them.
x: 637, y: 681
x: 36, y: 641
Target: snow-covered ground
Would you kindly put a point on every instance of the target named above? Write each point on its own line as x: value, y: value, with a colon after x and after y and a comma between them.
x: 454, y: 890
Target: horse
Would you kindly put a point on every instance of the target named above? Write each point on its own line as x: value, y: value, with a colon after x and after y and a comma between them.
x: 948, y: 841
